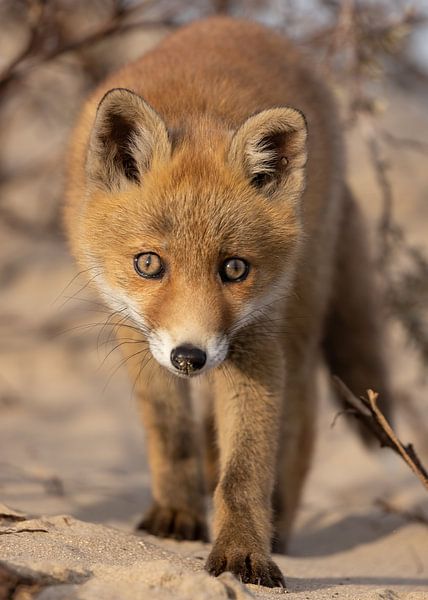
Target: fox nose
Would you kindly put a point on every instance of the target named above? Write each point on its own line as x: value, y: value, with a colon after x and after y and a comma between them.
x: 188, y: 358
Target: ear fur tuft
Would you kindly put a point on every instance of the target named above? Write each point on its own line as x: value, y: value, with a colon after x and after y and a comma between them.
x: 126, y: 137
x: 270, y: 149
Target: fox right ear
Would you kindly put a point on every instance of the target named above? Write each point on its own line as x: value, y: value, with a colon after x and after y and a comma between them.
x: 126, y: 137
x: 270, y: 149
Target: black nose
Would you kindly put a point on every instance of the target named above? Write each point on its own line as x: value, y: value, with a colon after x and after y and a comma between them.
x: 187, y: 358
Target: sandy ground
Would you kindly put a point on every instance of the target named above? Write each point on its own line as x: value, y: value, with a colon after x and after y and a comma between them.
x: 71, y: 443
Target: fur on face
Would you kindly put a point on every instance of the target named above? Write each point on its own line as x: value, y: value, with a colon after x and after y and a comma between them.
x: 216, y: 194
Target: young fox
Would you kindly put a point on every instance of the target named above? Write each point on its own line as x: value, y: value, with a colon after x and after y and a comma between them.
x: 206, y: 201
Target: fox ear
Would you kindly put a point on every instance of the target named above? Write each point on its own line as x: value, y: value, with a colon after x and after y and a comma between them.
x: 126, y: 137
x: 270, y: 148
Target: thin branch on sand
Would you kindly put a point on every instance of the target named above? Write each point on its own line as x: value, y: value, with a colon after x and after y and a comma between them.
x: 368, y: 413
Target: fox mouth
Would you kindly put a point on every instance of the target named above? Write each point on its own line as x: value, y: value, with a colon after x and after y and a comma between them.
x: 187, y: 374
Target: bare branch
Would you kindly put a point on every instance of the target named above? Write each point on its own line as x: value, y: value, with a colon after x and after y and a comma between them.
x: 23, y: 63
x: 368, y: 413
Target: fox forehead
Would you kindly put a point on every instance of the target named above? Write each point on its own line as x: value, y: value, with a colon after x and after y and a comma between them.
x: 196, y: 210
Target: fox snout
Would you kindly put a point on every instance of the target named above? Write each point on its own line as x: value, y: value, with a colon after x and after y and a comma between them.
x: 190, y: 357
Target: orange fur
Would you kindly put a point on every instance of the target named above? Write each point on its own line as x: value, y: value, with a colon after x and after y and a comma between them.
x: 197, y: 152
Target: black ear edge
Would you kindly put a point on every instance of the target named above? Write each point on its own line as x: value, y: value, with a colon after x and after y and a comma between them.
x: 132, y: 93
x: 113, y: 91
x: 279, y: 107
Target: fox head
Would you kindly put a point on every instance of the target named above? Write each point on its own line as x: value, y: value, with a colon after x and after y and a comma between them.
x: 192, y: 233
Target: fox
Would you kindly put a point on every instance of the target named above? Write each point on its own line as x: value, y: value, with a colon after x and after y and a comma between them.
x: 207, y: 203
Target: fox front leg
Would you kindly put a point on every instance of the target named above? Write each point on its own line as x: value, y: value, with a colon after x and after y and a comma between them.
x: 178, y: 510
x: 248, y: 397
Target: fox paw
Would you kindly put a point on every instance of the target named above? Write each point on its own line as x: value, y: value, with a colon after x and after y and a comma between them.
x: 249, y: 567
x: 173, y: 523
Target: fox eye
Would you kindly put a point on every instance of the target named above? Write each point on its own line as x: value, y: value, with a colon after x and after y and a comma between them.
x: 149, y: 265
x: 234, y: 269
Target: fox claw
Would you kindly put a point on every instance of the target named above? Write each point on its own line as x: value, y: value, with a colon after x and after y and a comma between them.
x: 249, y: 567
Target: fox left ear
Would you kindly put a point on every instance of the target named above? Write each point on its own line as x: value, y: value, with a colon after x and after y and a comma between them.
x: 270, y: 148
x: 127, y: 136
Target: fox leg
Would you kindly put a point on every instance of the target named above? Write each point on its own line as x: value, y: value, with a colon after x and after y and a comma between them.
x: 295, y: 451
x: 178, y: 510
x: 211, y: 457
x: 247, y: 399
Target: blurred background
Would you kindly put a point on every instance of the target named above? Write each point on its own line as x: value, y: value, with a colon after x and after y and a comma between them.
x: 70, y: 440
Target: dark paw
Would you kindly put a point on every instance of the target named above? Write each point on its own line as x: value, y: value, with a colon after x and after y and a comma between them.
x: 249, y: 567
x: 172, y: 523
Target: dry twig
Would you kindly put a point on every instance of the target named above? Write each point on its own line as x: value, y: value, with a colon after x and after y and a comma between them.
x: 32, y: 56
x: 368, y: 413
